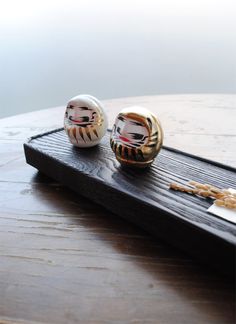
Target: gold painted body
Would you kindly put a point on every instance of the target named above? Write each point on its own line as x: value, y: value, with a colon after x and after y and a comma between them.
x: 131, y: 123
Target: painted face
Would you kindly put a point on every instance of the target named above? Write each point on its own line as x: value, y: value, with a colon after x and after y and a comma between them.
x: 80, y: 116
x: 136, y: 137
x: 85, y: 121
x: 129, y: 132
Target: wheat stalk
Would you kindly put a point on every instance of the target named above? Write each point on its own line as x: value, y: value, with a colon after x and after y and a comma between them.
x: 221, y: 197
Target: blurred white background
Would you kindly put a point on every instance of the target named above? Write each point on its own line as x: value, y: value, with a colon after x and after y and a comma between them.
x: 53, y: 50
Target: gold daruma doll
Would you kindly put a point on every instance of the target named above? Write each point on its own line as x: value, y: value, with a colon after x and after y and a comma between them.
x: 136, y: 137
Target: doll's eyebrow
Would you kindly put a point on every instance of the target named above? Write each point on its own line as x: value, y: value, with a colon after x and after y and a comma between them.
x: 121, y: 118
x: 136, y: 123
x: 81, y: 108
x: 84, y: 108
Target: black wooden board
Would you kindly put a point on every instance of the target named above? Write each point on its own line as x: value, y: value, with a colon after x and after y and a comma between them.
x: 143, y: 196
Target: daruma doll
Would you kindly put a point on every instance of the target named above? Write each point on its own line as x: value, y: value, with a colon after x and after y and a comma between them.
x: 85, y: 121
x: 136, y: 137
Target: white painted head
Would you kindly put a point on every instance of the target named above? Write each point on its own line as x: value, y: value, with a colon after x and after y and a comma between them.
x: 85, y: 121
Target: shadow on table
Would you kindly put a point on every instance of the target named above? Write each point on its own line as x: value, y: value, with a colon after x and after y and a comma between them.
x: 204, y: 289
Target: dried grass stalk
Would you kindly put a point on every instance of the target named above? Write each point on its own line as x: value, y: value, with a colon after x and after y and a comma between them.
x: 221, y: 197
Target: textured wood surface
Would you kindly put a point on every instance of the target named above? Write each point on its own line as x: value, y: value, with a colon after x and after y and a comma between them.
x: 65, y: 260
x: 143, y: 197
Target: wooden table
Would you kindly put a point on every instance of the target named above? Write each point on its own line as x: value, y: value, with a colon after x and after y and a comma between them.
x: 64, y: 259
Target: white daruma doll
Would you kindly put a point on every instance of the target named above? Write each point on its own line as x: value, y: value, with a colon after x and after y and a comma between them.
x: 136, y: 137
x: 85, y: 121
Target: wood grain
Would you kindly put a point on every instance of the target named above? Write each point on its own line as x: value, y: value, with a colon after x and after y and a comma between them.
x: 143, y: 197
x: 65, y: 260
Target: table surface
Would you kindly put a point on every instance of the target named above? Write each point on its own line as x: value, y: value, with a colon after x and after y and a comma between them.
x: 66, y: 260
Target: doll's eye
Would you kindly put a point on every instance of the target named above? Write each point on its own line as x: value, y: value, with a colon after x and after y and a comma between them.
x: 136, y: 136
x: 118, y: 130
x: 83, y: 108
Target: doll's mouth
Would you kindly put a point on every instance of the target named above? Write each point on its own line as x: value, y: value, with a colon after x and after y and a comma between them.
x: 80, y: 120
x: 124, y: 139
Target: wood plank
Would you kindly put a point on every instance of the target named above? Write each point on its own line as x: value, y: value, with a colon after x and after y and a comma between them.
x: 178, y: 218
x: 66, y: 260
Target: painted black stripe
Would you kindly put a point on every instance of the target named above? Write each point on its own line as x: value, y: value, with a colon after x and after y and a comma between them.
x: 95, y: 132
x: 140, y: 154
x: 81, y: 133
x: 150, y: 145
x: 120, y: 150
x: 126, y: 153
x: 133, y: 153
x: 88, y: 134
